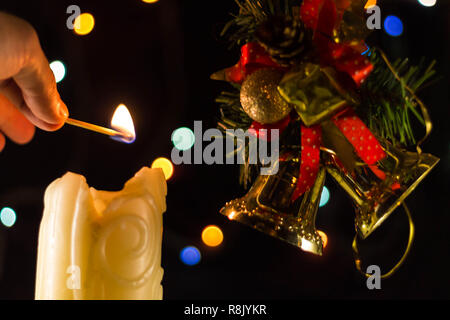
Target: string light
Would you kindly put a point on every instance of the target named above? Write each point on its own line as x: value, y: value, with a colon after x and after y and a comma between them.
x: 59, y: 70
x: 84, y: 24
x: 212, y: 236
x: 8, y: 217
x: 166, y: 166
x: 183, y: 138
x: 190, y: 256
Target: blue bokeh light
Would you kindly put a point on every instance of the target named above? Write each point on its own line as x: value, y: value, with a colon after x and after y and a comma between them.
x: 324, y: 197
x: 190, y: 256
x: 8, y: 217
x: 393, y: 26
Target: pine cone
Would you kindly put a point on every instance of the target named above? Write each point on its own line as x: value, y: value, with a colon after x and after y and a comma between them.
x: 284, y: 38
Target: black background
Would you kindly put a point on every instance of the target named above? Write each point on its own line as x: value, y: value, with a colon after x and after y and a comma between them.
x: 157, y: 58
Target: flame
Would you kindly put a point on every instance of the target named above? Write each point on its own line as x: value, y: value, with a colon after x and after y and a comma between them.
x: 122, y: 121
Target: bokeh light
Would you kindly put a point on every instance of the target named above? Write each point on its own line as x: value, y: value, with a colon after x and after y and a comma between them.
x: 59, y: 70
x: 183, y: 138
x: 190, y: 256
x: 393, y: 26
x: 84, y: 24
x: 150, y: 1
x: 427, y: 3
x: 212, y: 236
x: 8, y: 217
x: 324, y: 197
x: 166, y: 166
x: 370, y: 3
x: 324, y: 237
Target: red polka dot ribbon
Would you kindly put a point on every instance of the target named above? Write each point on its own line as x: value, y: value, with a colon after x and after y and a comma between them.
x: 312, y: 11
x: 364, y: 142
x: 310, y: 159
x: 348, y: 60
x: 253, y: 57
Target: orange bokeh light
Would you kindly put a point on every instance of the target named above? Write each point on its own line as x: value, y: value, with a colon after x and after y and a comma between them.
x: 370, y: 3
x: 212, y: 236
x: 84, y: 24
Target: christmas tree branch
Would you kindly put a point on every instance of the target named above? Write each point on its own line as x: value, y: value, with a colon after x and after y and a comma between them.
x: 387, y: 105
x: 241, y: 28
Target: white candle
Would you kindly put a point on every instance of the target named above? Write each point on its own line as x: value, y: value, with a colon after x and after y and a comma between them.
x: 100, y: 244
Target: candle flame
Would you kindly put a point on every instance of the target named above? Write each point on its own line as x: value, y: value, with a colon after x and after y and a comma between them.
x: 122, y: 121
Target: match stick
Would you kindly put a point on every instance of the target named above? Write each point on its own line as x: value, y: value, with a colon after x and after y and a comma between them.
x: 110, y: 132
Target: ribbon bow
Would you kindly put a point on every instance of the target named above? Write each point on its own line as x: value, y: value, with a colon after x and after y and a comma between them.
x: 253, y: 57
x: 324, y: 17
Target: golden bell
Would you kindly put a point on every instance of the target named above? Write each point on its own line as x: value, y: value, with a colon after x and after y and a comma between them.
x: 375, y: 198
x: 268, y: 207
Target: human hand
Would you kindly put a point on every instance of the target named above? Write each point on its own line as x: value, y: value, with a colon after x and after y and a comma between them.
x: 28, y: 93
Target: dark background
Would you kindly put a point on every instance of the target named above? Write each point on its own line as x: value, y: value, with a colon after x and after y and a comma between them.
x: 157, y: 58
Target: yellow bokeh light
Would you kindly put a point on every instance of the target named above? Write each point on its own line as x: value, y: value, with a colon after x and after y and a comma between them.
x: 212, y: 236
x: 84, y: 24
x: 324, y: 237
x: 166, y: 166
x: 370, y: 3
x: 150, y: 1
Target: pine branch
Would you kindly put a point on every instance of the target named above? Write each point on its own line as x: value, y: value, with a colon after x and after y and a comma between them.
x: 241, y: 28
x: 387, y: 105
x: 232, y: 116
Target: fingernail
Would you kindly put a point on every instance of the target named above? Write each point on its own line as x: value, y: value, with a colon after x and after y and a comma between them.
x: 63, y: 111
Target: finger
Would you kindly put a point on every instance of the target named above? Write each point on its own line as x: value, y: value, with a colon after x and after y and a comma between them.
x: 38, y: 86
x: 11, y: 91
x: 2, y: 142
x: 13, y: 123
x: 22, y: 59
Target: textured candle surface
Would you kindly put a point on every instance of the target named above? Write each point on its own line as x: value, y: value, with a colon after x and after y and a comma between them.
x: 100, y: 244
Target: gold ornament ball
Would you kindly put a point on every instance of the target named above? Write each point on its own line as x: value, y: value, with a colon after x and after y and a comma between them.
x: 260, y: 98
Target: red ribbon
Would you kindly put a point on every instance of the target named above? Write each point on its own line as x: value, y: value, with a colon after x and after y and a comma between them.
x: 322, y: 16
x: 253, y: 57
x: 363, y: 141
x: 310, y: 159
x: 360, y: 137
